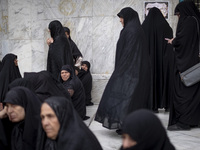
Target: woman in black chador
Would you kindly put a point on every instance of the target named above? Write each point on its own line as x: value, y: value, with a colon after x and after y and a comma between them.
x: 45, y: 85
x: 77, y: 56
x: 71, y: 133
x: 86, y: 78
x: 129, y: 86
x: 23, y: 109
x: 9, y: 73
x: 73, y: 85
x: 157, y: 29
x: 59, y: 50
x: 142, y: 130
x: 185, y: 108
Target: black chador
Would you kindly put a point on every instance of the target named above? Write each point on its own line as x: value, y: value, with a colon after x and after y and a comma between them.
x: 86, y: 79
x: 185, y: 108
x: 25, y: 132
x: 128, y: 88
x: 9, y: 73
x: 156, y: 29
x: 73, y: 133
x: 59, y: 51
x: 78, y: 97
x: 146, y: 129
x: 45, y: 85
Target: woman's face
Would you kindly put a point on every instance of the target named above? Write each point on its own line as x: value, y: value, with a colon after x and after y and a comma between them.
x: 122, y: 21
x: 65, y: 75
x: 84, y: 67
x: 16, y: 62
x: 128, y: 141
x: 15, y: 113
x: 50, y: 122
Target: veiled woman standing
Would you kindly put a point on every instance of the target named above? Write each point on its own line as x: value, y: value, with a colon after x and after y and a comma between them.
x: 60, y: 52
x: 129, y: 86
x: 156, y: 29
x: 185, y: 108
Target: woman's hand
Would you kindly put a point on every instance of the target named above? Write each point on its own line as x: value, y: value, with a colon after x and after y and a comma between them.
x: 49, y: 41
x: 169, y: 40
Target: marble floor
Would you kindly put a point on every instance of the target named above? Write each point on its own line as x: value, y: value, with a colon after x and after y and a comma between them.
x: 110, y: 140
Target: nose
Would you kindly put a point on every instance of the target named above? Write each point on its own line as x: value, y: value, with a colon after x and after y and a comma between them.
x: 45, y: 122
x: 9, y: 109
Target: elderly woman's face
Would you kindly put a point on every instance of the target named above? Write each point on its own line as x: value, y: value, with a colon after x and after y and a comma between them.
x: 15, y: 113
x: 128, y: 141
x: 50, y: 122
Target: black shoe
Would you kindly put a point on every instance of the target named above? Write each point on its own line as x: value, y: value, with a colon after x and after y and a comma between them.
x: 119, y: 131
x: 86, y: 118
x: 90, y: 104
x: 176, y: 127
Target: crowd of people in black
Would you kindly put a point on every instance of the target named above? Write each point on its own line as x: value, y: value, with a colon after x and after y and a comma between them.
x: 45, y: 110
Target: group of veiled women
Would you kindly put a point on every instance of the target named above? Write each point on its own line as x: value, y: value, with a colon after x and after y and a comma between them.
x: 45, y: 108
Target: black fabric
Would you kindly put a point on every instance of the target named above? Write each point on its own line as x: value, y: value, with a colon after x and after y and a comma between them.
x: 86, y: 79
x: 45, y: 85
x: 9, y: 73
x: 146, y: 129
x: 73, y: 133
x: 157, y: 29
x: 25, y: 132
x: 1, y: 65
x: 185, y: 108
x: 3, y: 139
x: 128, y: 89
x: 75, y: 51
x: 21, y: 82
x: 78, y: 98
x: 60, y: 52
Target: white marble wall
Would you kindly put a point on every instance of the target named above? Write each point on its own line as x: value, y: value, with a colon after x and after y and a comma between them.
x: 94, y: 26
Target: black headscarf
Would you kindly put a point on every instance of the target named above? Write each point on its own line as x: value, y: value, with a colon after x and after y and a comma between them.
x: 25, y: 132
x: 146, y: 129
x: 157, y: 29
x: 9, y: 73
x: 60, y: 52
x: 45, y: 85
x: 124, y: 92
x: 73, y: 133
x: 21, y: 82
x: 185, y: 108
x: 86, y: 79
x: 75, y: 51
x: 78, y: 98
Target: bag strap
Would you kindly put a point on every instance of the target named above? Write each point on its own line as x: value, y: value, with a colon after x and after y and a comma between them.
x: 197, y: 32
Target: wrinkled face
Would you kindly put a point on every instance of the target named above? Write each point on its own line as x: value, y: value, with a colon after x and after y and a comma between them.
x: 15, y: 113
x: 50, y: 121
x: 84, y: 67
x: 16, y: 62
x: 67, y: 34
x: 122, y: 21
x: 65, y: 75
x: 128, y: 141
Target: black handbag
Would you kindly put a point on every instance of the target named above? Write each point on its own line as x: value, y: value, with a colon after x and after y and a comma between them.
x: 192, y: 75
